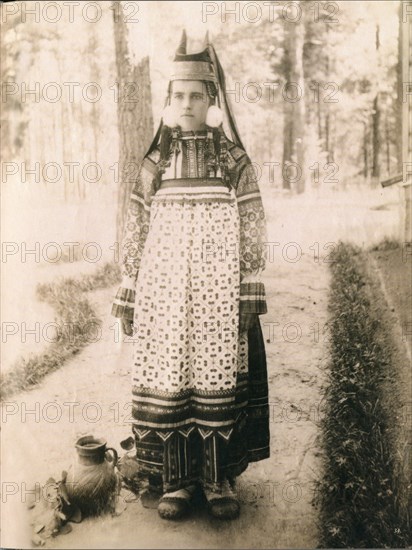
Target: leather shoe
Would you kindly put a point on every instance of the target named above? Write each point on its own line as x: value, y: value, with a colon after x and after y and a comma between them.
x: 176, y: 505
x: 223, y: 504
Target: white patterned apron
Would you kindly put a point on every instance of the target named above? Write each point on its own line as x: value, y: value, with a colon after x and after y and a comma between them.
x: 188, y: 357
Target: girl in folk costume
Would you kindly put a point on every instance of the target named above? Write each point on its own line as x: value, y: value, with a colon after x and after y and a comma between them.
x: 194, y: 249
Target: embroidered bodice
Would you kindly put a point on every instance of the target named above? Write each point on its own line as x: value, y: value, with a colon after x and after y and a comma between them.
x: 189, y: 160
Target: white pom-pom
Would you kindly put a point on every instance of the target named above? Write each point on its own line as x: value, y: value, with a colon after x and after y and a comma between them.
x: 214, y: 117
x: 169, y: 117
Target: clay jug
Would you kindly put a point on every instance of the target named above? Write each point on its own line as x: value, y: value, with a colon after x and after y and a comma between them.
x: 92, y: 480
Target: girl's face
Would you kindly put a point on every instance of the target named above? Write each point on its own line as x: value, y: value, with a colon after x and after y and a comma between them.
x: 190, y: 102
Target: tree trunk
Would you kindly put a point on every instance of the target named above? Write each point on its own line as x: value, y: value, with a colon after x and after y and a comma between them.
x: 134, y: 114
x: 95, y: 77
x: 294, y: 109
x: 319, y: 121
x: 398, y: 103
x: 365, y: 150
x: 406, y: 157
x: 388, y: 146
x: 375, y: 125
x: 327, y: 133
x: 375, y: 137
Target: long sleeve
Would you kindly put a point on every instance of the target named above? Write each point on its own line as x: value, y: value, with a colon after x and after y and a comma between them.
x: 253, y: 233
x: 134, y: 238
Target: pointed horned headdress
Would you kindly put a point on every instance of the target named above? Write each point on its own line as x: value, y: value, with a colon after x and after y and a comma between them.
x: 195, y: 66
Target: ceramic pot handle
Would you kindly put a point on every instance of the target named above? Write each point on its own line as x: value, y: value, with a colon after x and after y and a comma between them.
x: 115, y: 455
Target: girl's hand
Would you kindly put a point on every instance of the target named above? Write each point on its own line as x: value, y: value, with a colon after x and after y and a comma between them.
x: 127, y: 326
x: 246, y: 321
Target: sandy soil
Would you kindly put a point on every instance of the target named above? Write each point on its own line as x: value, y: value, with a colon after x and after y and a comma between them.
x: 91, y: 394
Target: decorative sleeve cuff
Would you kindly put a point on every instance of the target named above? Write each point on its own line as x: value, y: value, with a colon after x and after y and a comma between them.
x: 253, y: 298
x: 123, y: 305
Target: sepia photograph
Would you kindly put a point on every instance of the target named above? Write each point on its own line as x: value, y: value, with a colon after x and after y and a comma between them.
x: 206, y: 274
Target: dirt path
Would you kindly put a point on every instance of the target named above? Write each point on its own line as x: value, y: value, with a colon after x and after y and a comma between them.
x: 91, y: 393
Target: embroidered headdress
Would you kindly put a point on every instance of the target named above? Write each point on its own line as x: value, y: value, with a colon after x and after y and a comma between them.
x: 195, y: 66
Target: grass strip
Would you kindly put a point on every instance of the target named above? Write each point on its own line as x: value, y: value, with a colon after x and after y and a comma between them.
x: 361, y: 494
x: 76, y: 323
